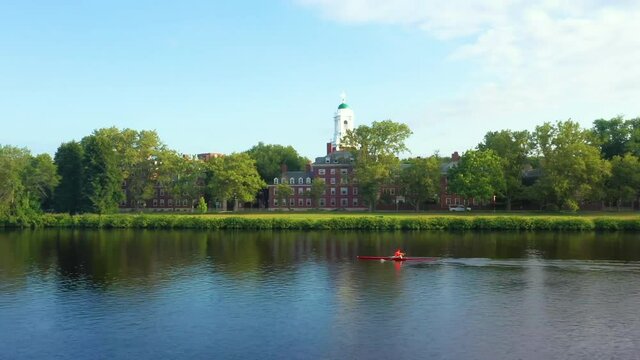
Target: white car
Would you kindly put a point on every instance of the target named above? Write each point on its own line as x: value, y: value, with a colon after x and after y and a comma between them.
x: 459, y: 208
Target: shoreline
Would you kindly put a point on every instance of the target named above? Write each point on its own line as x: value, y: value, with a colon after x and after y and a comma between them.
x: 363, y: 222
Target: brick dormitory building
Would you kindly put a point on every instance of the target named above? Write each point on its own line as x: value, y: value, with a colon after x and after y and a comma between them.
x: 336, y: 168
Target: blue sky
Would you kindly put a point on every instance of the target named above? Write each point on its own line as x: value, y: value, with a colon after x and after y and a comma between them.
x: 222, y: 76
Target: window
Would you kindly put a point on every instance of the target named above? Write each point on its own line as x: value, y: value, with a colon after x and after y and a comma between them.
x: 355, y: 201
x: 344, y: 202
x: 343, y: 171
x: 292, y: 202
x: 333, y: 181
x: 333, y: 191
x: 448, y: 201
x: 275, y: 202
x: 457, y: 201
x: 355, y: 191
x: 292, y: 181
x: 155, y: 202
x: 161, y: 192
x: 170, y: 202
x: 308, y: 180
x: 161, y: 202
x: 308, y: 202
x: 284, y: 180
x: 300, y: 181
x: 344, y: 191
x: 333, y: 201
x: 332, y: 171
x: 392, y: 191
x: 322, y: 203
x: 320, y: 171
x: 300, y: 202
x: 327, y: 160
x: 275, y: 181
x: 184, y: 202
x: 300, y: 191
x: 475, y: 202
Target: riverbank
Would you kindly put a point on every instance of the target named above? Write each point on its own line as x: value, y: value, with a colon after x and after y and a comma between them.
x: 340, y: 221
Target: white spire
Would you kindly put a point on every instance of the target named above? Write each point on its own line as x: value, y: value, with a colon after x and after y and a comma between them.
x: 343, y: 97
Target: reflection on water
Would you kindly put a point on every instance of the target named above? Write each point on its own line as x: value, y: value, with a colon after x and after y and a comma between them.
x: 176, y: 294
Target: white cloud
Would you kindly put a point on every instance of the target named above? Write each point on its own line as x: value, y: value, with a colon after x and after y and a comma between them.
x: 539, y: 61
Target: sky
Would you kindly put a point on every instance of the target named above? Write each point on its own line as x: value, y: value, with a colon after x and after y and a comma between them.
x: 221, y: 76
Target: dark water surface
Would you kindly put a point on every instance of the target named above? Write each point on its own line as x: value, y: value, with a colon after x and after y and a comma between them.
x: 302, y: 295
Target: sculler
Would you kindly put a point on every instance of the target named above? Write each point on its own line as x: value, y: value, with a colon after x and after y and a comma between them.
x: 399, y: 254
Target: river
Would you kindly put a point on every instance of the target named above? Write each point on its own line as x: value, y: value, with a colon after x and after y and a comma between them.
x: 129, y: 294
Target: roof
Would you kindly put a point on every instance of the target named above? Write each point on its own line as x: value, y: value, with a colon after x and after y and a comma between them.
x: 336, y: 157
x: 343, y: 106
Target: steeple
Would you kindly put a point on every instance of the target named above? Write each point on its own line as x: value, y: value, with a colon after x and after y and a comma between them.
x: 343, y: 121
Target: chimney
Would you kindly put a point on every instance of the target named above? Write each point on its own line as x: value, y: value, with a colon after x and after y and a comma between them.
x: 455, y: 156
x: 307, y: 167
x: 329, y: 148
x: 283, y: 168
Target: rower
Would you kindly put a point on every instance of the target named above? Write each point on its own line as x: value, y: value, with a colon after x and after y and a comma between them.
x: 398, y: 254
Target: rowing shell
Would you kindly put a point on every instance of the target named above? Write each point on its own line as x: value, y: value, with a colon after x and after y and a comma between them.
x: 394, y: 258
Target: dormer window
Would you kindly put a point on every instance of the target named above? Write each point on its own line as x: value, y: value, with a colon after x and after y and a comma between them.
x: 327, y: 160
x: 292, y: 181
x: 308, y: 180
x: 300, y: 181
x: 284, y: 180
x: 275, y: 181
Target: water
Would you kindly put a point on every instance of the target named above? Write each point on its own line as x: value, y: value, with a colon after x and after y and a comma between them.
x: 302, y: 295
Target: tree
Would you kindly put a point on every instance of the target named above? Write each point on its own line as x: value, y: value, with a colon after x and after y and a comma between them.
x: 318, y: 189
x: 40, y: 180
x: 142, y: 162
x: 571, y: 166
x: 269, y: 158
x: 612, y: 135
x: 512, y: 148
x: 375, y: 150
x: 233, y: 177
x: 624, y: 182
x: 13, y: 162
x: 478, y: 175
x: 103, y: 177
x: 26, y: 183
x: 68, y: 194
x: 182, y: 176
x: 202, y: 205
x: 283, y: 193
x: 420, y: 180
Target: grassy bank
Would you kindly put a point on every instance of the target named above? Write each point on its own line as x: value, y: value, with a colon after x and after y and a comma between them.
x: 340, y: 221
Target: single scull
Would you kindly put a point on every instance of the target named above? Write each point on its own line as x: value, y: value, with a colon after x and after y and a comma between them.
x: 395, y: 258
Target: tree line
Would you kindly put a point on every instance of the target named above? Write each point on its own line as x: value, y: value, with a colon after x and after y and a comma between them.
x: 557, y: 166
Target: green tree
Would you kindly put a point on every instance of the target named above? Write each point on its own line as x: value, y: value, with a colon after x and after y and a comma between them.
x: 478, y: 175
x: 513, y: 149
x: 68, y: 194
x: 420, y: 180
x: 375, y: 149
x: 233, y: 177
x: 283, y: 193
x: 40, y: 180
x: 318, y: 188
x: 13, y: 162
x: 103, y: 177
x: 624, y: 183
x: 612, y: 135
x: 572, y: 169
x: 202, y: 205
x: 270, y: 157
x: 182, y: 176
x: 26, y: 183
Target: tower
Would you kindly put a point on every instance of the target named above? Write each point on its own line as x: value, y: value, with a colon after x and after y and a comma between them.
x: 343, y: 121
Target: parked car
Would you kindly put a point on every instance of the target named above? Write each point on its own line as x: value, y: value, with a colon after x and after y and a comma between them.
x: 459, y: 207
